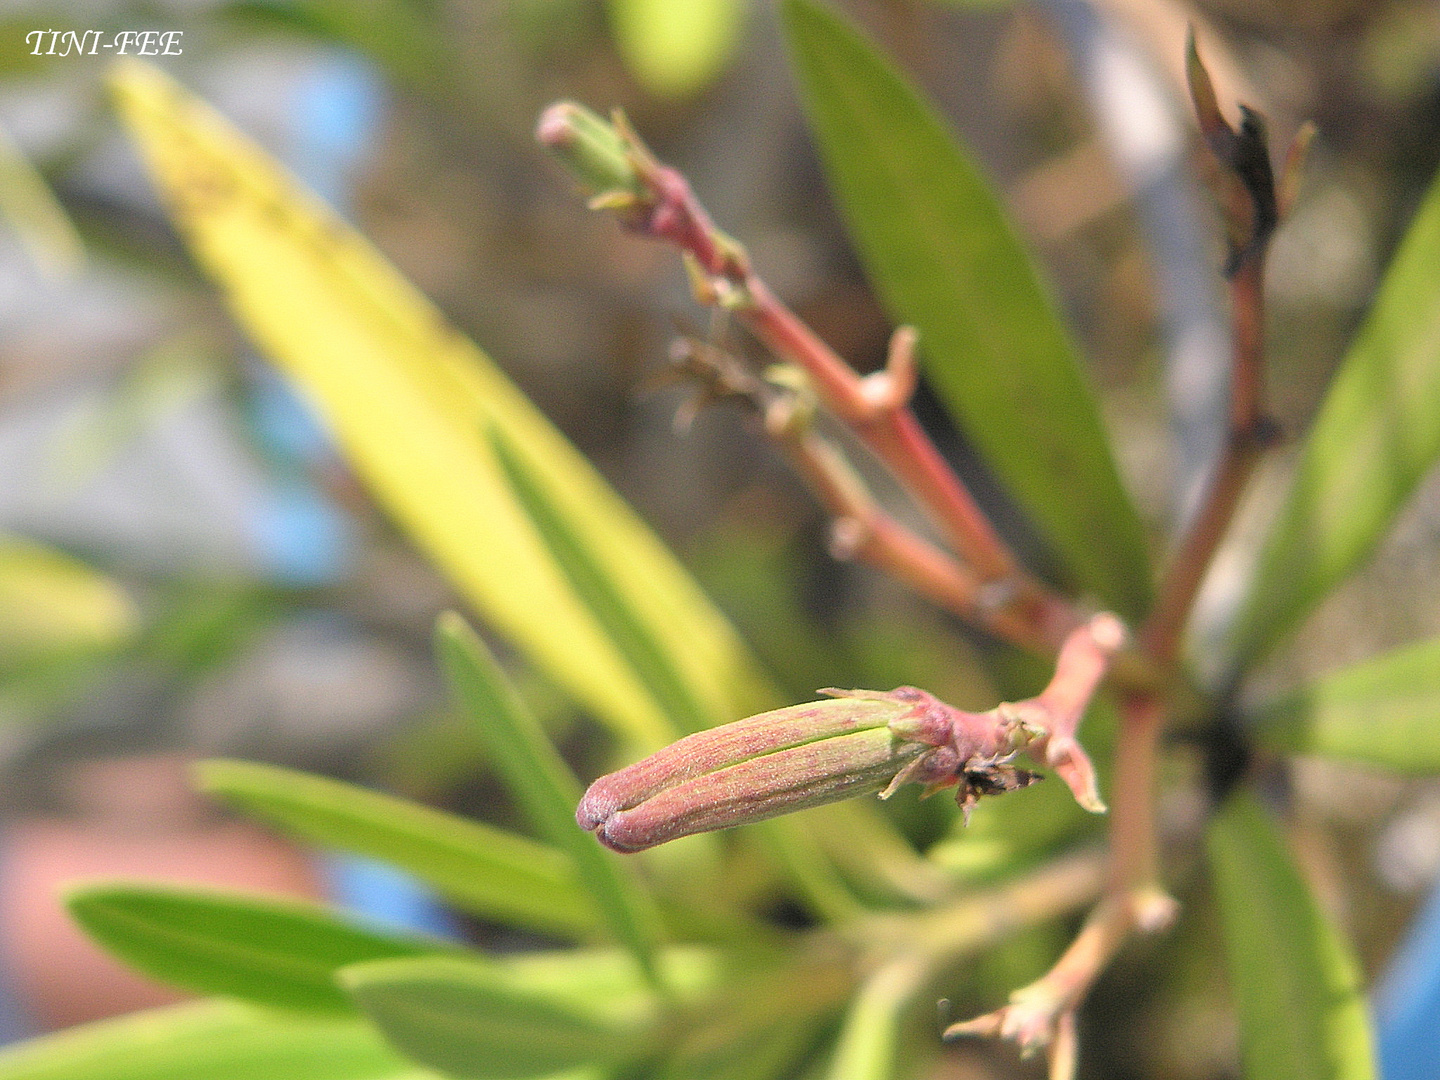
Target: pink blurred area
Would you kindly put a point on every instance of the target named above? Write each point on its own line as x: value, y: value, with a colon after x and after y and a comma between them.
x: 130, y: 817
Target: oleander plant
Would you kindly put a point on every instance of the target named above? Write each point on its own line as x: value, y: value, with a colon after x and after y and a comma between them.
x: 755, y: 890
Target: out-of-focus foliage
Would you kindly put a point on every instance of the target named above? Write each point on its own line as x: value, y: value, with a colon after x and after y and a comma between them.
x: 492, y: 873
x: 946, y: 260
x: 52, y: 604
x: 408, y: 399
x: 1376, y: 436
x: 29, y: 207
x: 212, y: 1040
x: 806, y: 946
x: 1381, y: 712
x: 271, y: 952
x: 1302, y: 1013
x: 675, y: 47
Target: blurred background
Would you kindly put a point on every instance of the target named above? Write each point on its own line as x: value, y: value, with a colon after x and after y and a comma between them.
x: 187, y: 569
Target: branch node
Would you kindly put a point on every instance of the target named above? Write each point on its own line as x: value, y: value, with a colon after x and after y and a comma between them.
x: 891, y: 389
x: 847, y: 537
x: 1154, y: 909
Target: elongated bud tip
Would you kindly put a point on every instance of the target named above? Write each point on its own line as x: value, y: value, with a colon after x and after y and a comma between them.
x: 590, y: 148
x: 1107, y: 632
x: 1202, y: 94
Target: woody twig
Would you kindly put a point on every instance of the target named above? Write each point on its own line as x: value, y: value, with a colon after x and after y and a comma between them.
x: 1245, y: 185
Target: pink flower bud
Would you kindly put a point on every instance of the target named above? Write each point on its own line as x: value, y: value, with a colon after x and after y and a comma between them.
x: 806, y: 755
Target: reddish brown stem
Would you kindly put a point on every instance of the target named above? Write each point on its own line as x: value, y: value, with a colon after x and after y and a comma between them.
x: 883, y: 421
x: 1248, y: 434
x: 892, y: 433
x: 1036, y: 1015
x: 863, y: 531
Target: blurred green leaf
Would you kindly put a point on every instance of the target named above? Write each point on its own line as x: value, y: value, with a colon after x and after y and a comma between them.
x: 869, y: 1039
x: 408, y: 400
x: 607, y: 979
x: 171, y: 377
x: 396, y: 34
x: 636, y: 641
x: 474, y: 1019
x: 541, y: 782
x: 1376, y: 435
x: 757, y: 1027
x: 940, y: 252
x: 676, y: 47
x: 35, y: 214
x: 1297, y: 987
x: 53, y: 604
x: 1385, y: 711
x: 267, y: 950
x: 768, y: 1052
x: 210, y: 1040
x: 487, y: 871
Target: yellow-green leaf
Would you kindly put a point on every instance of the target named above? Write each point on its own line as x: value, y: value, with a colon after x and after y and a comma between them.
x: 51, y: 603
x: 408, y: 399
x: 1385, y: 711
x: 211, y: 1040
x: 869, y: 1044
x: 676, y: 47
x: 34, y: 212
x: 496, y: 874
x: 1297, y: 986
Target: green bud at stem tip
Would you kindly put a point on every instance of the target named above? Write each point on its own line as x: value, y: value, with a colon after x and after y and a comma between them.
x: 590, y: 148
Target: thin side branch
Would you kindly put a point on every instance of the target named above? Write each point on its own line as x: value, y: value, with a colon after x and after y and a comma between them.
x: 657, y: 201
x: 1041, y: 1015
x: 1252, y: 207
x: 862, y: 530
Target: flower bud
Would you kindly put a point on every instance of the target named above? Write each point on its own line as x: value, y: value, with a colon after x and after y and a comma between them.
x: 802, y: 756
x: 591, y: 149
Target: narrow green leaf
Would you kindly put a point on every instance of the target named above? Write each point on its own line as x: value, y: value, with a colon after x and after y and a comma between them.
x: 267, y: 950
x: 541, y: 781
x: 598, y: 589
x: 52, y: 604
x: 408, y: 398
x: 1385, y: 711
x: 869, y: 1040
x: 943, y: 257
x: 813, y: 873
x: 1297, y: 987
x: 211, y: 1040
x: 474, y: 1019
x: 606, y: 979
x: 33, y: 211
x: 757, y: 1027
x: 676, y: 47
x: 1376, y: 435
x: 487, y: 871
